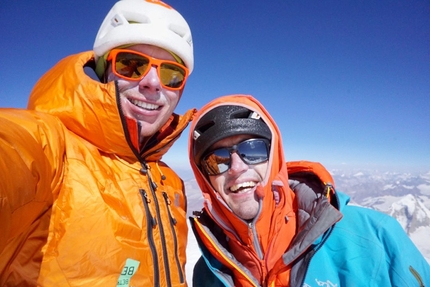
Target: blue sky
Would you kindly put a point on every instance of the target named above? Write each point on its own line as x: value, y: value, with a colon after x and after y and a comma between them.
x: 347, y: 81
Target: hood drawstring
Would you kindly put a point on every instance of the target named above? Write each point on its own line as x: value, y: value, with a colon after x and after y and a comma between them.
x: 163, y: 177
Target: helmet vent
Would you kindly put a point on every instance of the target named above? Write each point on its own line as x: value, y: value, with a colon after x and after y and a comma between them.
x: 178, y: 30
x: 245, y: 114
x: 203, y: 128
x: 136, y: 18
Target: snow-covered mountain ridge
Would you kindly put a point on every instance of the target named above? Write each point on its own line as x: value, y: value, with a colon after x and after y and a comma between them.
x: 404, y: 196
x: 361, y: 185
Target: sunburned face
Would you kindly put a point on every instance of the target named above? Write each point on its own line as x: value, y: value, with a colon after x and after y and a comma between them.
x: 146, y: 100
x: 237, y: 186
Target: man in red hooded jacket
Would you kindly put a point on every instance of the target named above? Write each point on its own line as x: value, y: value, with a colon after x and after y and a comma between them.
x: 266, y: 222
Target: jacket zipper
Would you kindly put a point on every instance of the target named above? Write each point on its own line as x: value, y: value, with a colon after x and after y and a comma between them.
x: 417, y: 276
x: 151, y: 223
x: 256, y: 243
x: 175, y: 241
x: 153, y: 187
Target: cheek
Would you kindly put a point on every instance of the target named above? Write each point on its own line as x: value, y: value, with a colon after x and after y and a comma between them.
x: 217, y: 183
x: 262, y: 169
x: 124, y: 85
x: 172, y: 96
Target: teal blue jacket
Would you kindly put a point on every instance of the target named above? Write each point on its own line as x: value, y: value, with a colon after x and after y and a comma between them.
x: 365, y: 248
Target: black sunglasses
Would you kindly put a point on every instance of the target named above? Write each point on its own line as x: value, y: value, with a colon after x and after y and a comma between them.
x: 251, y: 151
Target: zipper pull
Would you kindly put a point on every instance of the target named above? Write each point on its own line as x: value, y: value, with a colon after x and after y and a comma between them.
x: 168, y: 203
x: 145, y: 195
x: 147, y: 201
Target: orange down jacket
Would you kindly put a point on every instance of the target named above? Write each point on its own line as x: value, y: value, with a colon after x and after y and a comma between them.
x: 80, y: 204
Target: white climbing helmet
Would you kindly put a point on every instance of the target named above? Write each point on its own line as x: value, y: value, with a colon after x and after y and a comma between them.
x: 151, y: 22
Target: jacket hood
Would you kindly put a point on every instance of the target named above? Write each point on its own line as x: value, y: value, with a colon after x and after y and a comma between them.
x: 85, y: 105
x: 275, y: 221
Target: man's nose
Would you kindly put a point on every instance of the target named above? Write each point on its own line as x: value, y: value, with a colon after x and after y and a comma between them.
x: 151, y: 80
x: 237, y: 164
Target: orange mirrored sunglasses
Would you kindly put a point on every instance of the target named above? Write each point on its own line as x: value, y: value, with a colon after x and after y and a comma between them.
x: 133, y: 65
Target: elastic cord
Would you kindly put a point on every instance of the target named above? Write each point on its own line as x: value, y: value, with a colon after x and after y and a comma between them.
x: 163, y: 177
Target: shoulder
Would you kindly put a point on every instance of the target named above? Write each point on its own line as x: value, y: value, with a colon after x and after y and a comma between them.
x: 365, y: 215
x: 369, y: 244
x: 29, y: 125
x: 367, y: 230
x: 373, y: 232
x: 369, y: 223
x: 369, y: 218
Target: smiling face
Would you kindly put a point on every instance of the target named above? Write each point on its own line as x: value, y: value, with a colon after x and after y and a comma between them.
x: 146, y: 100
x: 237, y: 186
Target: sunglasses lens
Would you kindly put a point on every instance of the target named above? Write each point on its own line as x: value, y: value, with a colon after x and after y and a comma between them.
x: 131, y: 65
x: 252, y: 151
x: 217, y: 161
x: 171, y: 75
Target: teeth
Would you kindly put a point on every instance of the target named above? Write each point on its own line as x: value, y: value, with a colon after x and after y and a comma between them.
x: 144, y: 105
x: 247, y: 184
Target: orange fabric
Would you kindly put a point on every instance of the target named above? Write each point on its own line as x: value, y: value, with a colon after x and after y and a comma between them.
x: 71, y: 192
x: 313, y: 167
x: 274, y: 232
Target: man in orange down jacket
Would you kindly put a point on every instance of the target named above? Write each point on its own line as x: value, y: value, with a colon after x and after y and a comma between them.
x: 85, y: 198
x: 266, y: 222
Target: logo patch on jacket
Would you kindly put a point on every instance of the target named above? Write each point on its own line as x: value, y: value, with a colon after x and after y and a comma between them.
x: 128, y: 271
x: 327, y: 283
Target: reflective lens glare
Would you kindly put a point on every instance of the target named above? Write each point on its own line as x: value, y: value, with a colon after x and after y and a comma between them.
x: 132, y: 65
x: 251, y: 151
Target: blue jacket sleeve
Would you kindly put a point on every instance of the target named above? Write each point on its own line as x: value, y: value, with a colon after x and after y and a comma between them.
x: 406, y: 265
